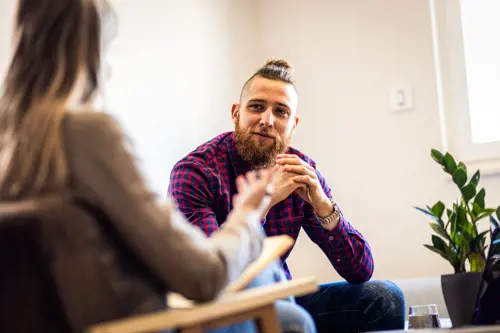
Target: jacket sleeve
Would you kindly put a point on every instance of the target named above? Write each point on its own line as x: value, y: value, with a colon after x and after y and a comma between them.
x: 105, y: 173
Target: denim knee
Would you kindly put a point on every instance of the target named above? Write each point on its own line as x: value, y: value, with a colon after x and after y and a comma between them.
x: 390, y: 291
x: 294, y: 318
x: 272, y: 274
x: 388, y: 300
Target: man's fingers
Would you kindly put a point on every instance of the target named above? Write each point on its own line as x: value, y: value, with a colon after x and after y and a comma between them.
x: 305, y: 180
x: 301, y: 170
x: 275, y: 169
x: 279, y: 156
x: 300, y: 185
x: 288, y: 160
x: 295, y: 160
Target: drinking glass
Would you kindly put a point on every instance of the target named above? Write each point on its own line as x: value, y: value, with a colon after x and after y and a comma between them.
x: 423, y: 316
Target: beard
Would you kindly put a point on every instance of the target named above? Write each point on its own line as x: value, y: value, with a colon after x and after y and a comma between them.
x: 259, y: 156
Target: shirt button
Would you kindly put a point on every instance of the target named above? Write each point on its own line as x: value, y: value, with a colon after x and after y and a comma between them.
x: 330, y: 238
x: 338, y: 260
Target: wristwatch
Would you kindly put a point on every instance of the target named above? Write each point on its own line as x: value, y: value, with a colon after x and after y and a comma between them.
x: 333, y: 217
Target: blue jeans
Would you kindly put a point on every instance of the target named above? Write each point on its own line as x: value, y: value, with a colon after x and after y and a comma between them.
x: 343, y: 307
x: 293, y: 318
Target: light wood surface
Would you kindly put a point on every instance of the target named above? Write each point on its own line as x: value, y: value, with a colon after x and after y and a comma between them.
x: 273, y: 248
x: 206, y: 315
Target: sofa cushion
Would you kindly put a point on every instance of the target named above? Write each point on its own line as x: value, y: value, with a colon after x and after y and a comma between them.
x: 423, y: 291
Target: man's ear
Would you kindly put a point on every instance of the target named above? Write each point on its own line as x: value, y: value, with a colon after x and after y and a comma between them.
x: 295, y: 123
x: 235, y: 109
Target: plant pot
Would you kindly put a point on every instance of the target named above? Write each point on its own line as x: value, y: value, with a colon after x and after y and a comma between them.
x: 460, y: 294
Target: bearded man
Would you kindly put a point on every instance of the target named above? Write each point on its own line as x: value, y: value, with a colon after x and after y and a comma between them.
x: 265, y: 119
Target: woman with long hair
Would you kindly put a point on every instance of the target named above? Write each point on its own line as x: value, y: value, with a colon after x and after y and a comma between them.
x: 52, y: 142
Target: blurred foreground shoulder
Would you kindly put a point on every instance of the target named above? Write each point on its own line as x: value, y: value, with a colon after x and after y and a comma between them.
x: 91, y: 125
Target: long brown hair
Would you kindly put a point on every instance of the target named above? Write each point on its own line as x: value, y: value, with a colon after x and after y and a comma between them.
x: 58, y: 46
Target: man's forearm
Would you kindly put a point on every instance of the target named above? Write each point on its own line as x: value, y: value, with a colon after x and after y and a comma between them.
x: 349, y: 253
x: 327, y: 214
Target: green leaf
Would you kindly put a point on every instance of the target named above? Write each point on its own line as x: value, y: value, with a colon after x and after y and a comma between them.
x: 449, y: 163
x: 464, y: 226
x: 466, y: 235
x: 460, y: 177
x: 462, y: 245
x: 468, y: 192
x: 476, y: 209
x: 456, y: 238
x: 438, y: 251
x: 425, y: 211
x: 475, y: 178
x: 438, y: 209
x: 448, y: 254
x: 479, y: 199
x: 477, y: 262
x: 461, y: 165
x: 429, y: 213
x: 438, y: 243
x: 461, y: 216
x: 438, y: 229
x: 453, y: 224
x: 437, y: 156
x: 478, y: 240
x: 485, y: 213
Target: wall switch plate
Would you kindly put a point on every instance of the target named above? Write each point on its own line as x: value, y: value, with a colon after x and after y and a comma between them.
x: 401, y: 99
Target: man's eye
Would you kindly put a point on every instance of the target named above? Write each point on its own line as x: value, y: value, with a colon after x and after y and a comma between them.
x: 282, y: 112
x: 256, y: 107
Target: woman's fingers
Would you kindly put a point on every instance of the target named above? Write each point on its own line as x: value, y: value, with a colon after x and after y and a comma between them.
x: 254, y: 189
x: 241, y: 184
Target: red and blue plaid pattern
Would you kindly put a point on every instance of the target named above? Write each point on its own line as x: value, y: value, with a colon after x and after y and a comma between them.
x: 203, y: 184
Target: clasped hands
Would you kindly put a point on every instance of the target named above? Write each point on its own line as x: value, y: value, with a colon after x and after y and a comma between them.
x: 263, y: 189
x: 296, y: 175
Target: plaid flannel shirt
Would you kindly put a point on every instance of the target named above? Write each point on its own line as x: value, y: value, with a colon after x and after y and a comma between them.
x: 203, y: 184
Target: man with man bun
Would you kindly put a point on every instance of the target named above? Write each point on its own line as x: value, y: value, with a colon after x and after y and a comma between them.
x: 265, y: 120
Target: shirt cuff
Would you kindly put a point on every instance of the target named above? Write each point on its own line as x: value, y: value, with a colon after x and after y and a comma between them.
x: 337, y: 235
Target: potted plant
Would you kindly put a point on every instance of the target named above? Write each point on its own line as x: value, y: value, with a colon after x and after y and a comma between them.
x: 458, y: 239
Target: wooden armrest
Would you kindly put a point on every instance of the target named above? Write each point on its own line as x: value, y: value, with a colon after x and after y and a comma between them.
x: 229, y: 305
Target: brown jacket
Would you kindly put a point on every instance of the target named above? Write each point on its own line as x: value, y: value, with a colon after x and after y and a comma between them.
x: 180, y: 257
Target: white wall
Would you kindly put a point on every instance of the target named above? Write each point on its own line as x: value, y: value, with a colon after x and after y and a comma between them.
x: 175, y: 74
x: 348, y: 55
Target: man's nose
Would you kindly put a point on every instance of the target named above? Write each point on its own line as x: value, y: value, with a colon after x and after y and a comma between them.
x: 267, y: 118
